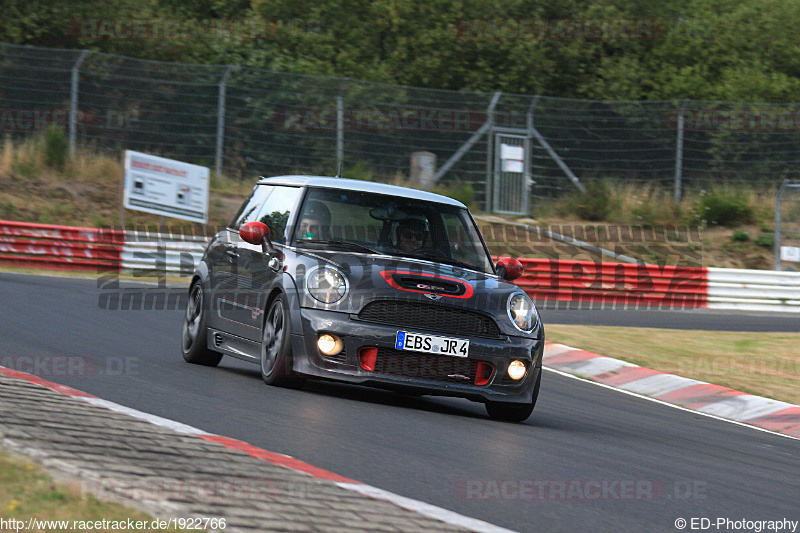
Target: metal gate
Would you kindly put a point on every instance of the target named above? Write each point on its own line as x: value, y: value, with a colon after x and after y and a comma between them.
x: 511, y: 180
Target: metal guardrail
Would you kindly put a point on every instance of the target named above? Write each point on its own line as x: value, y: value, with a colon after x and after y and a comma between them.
x: 753, y: 290
x: 550, y: 282
x: 58, y: 247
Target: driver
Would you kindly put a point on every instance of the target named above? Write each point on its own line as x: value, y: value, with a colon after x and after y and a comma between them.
x: 411, y: 234
x: 316, y: 219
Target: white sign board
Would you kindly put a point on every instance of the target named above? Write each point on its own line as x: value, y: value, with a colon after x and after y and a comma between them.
x: 790, y: 253
x: 512, y: 157
x: 166, y: 187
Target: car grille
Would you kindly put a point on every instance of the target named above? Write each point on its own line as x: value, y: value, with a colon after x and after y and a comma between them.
x: 427, y: 367
x: 429, y: 317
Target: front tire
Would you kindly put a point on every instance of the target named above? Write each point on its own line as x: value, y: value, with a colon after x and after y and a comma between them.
x: 514, y: 412
x: 276, y: 346
x: 194, y: 334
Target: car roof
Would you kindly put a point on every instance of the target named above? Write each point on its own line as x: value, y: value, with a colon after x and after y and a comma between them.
x: 359, y: 185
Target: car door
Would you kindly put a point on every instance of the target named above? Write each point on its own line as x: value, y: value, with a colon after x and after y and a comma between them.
x: 256, y: 270
x: 223, y: 265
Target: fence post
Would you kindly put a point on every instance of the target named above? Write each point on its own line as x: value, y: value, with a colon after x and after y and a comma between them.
x: 73, y: 102
x: 531, y: 109
x: 529, y: 162
x: 490, y: 152
x: 340, y: 126
x: 777, y: 245
x: 679, y: 154
x: 221, y: 121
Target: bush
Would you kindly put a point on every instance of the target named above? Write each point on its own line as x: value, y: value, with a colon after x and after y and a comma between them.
x: 359, y: 171
x: 740, y: 236
x: 457, y: 190
x: 596, y: 204
x: 724, y: 207
x: 645, y: 214
x: 56, y: 147
x: 766, y: 240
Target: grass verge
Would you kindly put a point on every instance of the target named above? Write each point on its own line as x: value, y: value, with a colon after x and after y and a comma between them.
x: 26, y: 492
x: 764, y: 364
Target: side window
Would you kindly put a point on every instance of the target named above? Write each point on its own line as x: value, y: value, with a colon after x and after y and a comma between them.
x: 249, y: 209
x: 276, y: 210
x: 463, y: 246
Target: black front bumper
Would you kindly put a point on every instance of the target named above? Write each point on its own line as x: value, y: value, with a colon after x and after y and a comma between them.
x: 415, y: 372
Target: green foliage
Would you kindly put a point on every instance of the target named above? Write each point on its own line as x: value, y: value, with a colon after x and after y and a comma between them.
x: 701, y: 49
x: 8, y: 210
x: 724, y: 207
x: 98, y: 221
x: 740, y: 236
x: 46, y: 217
x: 359, y: 171
x: 645, y: 214
x: 56, y: 147
x: 457, y: 190
x: 25, y: 169
x: 597, y: 203
x: 765, y: 240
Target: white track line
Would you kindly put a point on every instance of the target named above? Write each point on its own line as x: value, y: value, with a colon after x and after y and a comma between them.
x: 426, y: 509
x: 629, y: 393
x: 153, y: 419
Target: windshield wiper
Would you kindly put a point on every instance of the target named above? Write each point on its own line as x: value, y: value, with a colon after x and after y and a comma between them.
x: 338, y: 242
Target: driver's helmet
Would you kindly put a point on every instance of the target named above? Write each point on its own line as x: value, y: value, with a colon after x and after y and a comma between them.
x: 412, y: 227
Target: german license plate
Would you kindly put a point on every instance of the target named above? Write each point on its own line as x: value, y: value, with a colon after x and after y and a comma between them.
x: 417, y: 342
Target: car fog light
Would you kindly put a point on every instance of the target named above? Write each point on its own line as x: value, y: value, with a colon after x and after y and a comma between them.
x: 516, y: 370
x: 329, y: 344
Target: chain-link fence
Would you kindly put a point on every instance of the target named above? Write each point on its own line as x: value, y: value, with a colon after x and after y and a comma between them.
x: 787, y: 227
x: 246, y: 122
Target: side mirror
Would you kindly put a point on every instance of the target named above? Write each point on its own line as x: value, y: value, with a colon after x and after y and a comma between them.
x: 509, y: 269
x: 256, y: 233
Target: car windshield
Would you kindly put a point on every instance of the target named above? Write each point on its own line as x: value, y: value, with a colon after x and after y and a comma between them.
x: 393, y: 225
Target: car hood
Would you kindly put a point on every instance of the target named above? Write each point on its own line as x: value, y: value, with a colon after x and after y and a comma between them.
x: 379, y: 277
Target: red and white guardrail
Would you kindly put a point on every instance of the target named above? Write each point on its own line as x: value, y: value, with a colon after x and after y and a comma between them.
x: 51, y: 247
x: 47, y: 246
x: 557, y: 282
x: 641, y: 285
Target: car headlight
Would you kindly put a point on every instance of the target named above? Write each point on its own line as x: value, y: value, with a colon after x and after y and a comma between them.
x: 522, y: 312
x: 326, y: 284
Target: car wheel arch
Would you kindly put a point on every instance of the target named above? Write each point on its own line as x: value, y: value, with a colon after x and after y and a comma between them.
x: 271, y: 298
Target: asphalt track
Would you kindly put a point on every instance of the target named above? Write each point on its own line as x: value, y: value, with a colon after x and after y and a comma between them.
x: 590, y: 458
